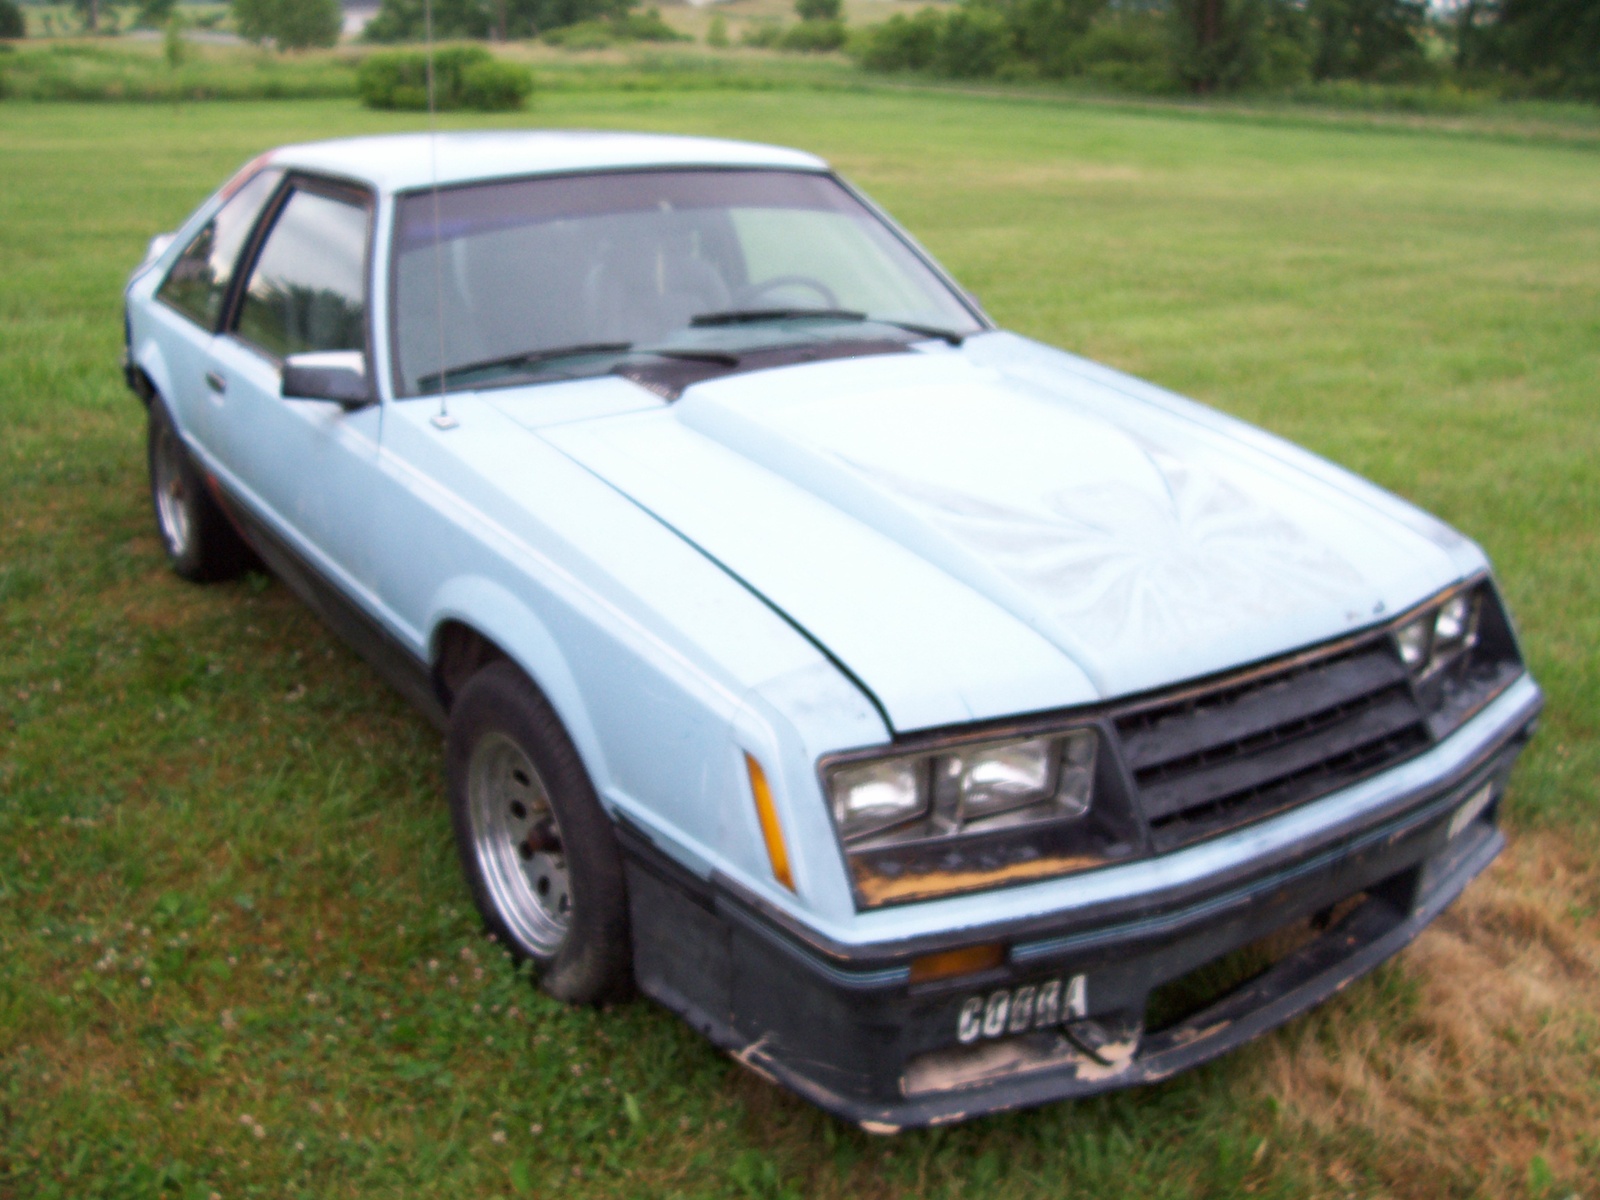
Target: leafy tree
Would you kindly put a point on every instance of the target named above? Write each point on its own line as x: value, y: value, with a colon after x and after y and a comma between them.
x: 1553, y: 44
x: 89, y: 11
x: 12, y: 25
x: 717, y: 32
x: 1217, y: 45
x: 153, y: 14
x: 1047, y: 33
x: 1367, y: 39
x: 290, y: 24
x: 402, y: 21
x: 173, y: 47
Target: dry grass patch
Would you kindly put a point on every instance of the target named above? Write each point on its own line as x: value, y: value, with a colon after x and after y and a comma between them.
x: 1488, y: 1083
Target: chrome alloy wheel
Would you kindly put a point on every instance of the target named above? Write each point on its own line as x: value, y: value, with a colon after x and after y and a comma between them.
x: 518, y: 844
x: 171, y: 493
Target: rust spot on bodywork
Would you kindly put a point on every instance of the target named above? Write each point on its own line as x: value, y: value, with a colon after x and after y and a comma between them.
x: 876, y: 888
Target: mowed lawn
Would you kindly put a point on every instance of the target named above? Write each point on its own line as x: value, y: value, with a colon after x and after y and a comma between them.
x: 236, y: 958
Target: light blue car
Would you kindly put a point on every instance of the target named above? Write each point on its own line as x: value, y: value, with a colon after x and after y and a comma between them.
x: 913, y: 707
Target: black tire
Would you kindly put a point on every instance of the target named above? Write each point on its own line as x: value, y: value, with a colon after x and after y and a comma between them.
x: 537, y: 849
x: 199, y: 542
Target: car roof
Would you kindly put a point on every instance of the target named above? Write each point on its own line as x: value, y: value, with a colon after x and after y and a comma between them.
x: 405, y: 161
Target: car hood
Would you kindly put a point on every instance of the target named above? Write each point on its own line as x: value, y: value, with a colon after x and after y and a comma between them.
x: 1002, y: 528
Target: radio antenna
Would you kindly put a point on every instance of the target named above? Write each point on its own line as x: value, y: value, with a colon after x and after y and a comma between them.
x: 441, y: 419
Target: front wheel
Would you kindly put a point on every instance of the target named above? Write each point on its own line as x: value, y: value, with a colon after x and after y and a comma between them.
x: 536, y: 847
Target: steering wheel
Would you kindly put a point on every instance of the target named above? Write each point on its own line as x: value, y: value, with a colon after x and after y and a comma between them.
x: 746, y: 296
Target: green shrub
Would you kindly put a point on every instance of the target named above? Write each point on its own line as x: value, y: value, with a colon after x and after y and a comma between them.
x: 813, y: 36
x: 717, y: 33
x: 646, y: 27
x: 901, y: 43
x: 626, y: 27
x: 974, y: 44
x: 12, y: 25
x: 819, y: 10
x: 763, y: 35
x: 495, y: 86
x: 584, y: 35
x: 173, y: 48
x: 464, y: 77
x: 1125, y: 56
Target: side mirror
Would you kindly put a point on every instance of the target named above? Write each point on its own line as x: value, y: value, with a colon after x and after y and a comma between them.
x: 336, y: 375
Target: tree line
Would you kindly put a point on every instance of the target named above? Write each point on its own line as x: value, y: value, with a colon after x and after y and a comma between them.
x: 1514, y: 47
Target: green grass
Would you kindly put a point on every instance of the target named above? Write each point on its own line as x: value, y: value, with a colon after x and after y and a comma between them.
x: 235, y: 954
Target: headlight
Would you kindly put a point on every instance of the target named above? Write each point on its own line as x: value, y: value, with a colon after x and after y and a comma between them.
x: 1412, y: 641
x: 931, y: 795
x: 964, y: 815
x: 1456, y: 626
x: 872, y: 796
x: 1439, y: 636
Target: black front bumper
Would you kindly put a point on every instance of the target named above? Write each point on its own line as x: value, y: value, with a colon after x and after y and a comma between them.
x: 847, y: 1030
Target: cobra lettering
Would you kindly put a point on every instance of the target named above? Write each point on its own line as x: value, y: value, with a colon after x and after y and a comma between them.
x: 1031, y: 1006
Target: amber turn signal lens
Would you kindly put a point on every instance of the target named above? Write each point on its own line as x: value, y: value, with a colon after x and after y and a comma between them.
x: 966, y: 961
x: 771, y: 831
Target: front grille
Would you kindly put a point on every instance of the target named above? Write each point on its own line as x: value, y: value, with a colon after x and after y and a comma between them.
x: 1221, y: 757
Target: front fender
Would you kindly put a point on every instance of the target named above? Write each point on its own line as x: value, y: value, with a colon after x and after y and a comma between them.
x: 497, y: 614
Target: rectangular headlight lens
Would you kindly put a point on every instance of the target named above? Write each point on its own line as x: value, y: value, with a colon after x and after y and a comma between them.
x: 872, y: 796
x: 986, y: 781
x: 993, y: 779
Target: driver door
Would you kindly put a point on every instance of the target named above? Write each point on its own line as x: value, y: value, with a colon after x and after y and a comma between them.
x: 305, y: 468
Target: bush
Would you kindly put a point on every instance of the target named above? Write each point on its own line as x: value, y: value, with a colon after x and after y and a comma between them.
x: 819, y: 10
x: 495, y: 86
x: 463, y: 76
x: 646, y: 27
x: 763, y: 35
x: 974, y: 44
x: 12, y: 25
x: 585, y: 35
x: 901, y: 43
x: 717, y: 33
x: 626, y: 27
x: 1125, y: 56
x: 813, y: 36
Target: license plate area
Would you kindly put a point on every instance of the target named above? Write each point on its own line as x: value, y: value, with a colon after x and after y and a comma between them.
x: 1028, y: 1007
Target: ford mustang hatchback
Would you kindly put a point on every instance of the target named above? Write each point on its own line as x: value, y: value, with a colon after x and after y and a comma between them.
x: 938, y: 721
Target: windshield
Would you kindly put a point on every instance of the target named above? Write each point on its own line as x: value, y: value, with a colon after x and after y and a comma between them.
x: 564, y: 275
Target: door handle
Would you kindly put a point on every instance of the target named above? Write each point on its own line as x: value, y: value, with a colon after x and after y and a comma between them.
x: 216, y: 382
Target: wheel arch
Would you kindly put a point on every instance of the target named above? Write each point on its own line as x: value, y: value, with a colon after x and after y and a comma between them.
x: 477, y: 622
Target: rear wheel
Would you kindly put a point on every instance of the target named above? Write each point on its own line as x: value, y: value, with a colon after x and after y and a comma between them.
x: 535, y: 845
x: 199, y: 542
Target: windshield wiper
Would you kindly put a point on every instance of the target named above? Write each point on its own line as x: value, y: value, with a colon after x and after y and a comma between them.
x: 933, y: 331
x: 726, y: 357
x: 526, y: 358
x: 746, y: 316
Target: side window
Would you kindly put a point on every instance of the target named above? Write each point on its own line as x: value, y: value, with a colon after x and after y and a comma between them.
x: 198, y: 281
x: 308, y: 288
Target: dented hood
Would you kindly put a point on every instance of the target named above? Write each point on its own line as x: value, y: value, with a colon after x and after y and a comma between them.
x: 1003, y: 528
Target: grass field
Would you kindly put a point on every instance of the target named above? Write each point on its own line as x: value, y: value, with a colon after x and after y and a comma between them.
x: 235, y: 955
